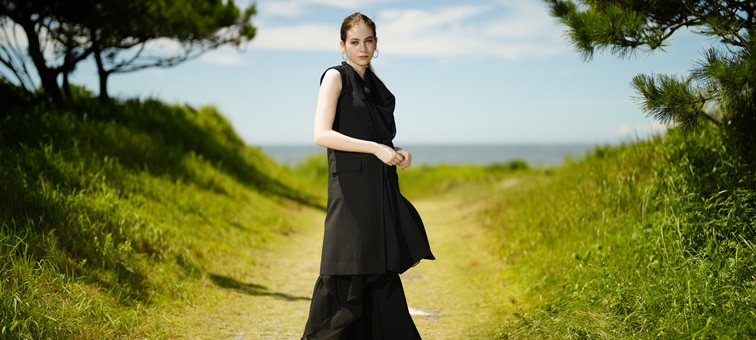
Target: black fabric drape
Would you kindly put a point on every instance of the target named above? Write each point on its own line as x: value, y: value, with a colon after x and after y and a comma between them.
x: 372, y: 233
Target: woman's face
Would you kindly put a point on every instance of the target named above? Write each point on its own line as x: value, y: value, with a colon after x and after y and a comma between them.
x: 360, y: 45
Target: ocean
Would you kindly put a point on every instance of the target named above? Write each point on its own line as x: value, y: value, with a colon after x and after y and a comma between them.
x: 484, y: 154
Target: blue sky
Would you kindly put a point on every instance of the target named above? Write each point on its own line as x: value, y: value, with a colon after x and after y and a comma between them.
x: 487, y: 71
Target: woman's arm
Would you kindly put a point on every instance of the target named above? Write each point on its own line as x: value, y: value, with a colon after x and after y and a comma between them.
x: 325, y: 113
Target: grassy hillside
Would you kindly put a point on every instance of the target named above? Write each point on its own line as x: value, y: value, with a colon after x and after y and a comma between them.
x: 110, y: 214
x: 115, y: 218
x: 650, y: 240
x: 654, y: 239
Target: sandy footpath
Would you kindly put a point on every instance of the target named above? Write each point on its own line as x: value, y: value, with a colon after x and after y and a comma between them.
x: 456, y: 296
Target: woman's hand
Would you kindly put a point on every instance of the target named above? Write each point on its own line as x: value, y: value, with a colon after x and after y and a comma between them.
x: 389, y: 156
x: 407, y: 161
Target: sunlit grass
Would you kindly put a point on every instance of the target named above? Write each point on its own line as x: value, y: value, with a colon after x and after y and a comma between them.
x: 111, y: 211
x: 422, y: 180
x: 618, y: 246
x: 114, y: 217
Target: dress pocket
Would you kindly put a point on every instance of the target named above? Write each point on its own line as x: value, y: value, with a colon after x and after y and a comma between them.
x: 346, y: 165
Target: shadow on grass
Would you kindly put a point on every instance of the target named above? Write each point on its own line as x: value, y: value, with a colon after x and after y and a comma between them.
x: 54, y: 163
x: 251, y: 288
x: 148, y: 135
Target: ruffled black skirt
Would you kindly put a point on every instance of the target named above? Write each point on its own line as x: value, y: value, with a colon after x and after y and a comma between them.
x: 364, y: 307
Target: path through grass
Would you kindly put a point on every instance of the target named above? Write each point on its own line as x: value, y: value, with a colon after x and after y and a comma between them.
x: 466, y: 284
x: 457, y: 296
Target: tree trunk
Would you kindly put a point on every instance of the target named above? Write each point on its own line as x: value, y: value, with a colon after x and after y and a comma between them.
x: 67, y: 86
x: 103, y: 75
x: 67, y: 69
x: 47, y: 75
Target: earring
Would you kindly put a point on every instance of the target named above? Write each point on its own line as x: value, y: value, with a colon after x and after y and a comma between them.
x: 343, y: 55
x: 375, y: 54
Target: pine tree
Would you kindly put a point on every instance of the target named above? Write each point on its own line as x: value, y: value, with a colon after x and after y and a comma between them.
x: 719, y: 90
x: 116, y: 33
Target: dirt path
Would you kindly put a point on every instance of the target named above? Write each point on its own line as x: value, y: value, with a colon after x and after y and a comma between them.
x: 465, y: 287
x: 453, y: 297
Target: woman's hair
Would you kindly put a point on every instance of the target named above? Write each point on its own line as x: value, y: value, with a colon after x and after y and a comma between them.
x: 354, y: 20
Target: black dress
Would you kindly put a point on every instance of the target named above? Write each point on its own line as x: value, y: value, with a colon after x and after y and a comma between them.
x: 372, y: 233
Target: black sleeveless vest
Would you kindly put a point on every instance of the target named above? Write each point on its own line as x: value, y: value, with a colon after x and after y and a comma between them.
x: 370, y: 228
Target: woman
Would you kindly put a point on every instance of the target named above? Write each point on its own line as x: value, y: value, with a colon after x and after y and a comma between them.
x: 372, y: 233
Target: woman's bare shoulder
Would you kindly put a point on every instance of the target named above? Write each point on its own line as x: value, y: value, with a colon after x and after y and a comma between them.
x: 331, y: 77
x: 332, y: 72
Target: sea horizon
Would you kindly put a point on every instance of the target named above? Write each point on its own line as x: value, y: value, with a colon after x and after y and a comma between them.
x: 535, y: 154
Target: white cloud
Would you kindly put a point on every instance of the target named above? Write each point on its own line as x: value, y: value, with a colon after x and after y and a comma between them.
x: 305, y: 37
x: 164, y: 45
x: 507, y: 29
x: 513, y: 30
x: 291, y: 8
x: 13, y: 35
x: 226, y: 57
x: 639, y: 130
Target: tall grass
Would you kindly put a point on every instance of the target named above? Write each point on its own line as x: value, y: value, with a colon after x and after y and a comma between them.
x: 423, y: 180
x: 110, y: 210
x: 650, y: 240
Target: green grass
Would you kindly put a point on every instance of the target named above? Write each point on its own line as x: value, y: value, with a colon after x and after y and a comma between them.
x: 650, y: 240
x: 111, y: 212
x: 116, y: 217
x: 423, y: 180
